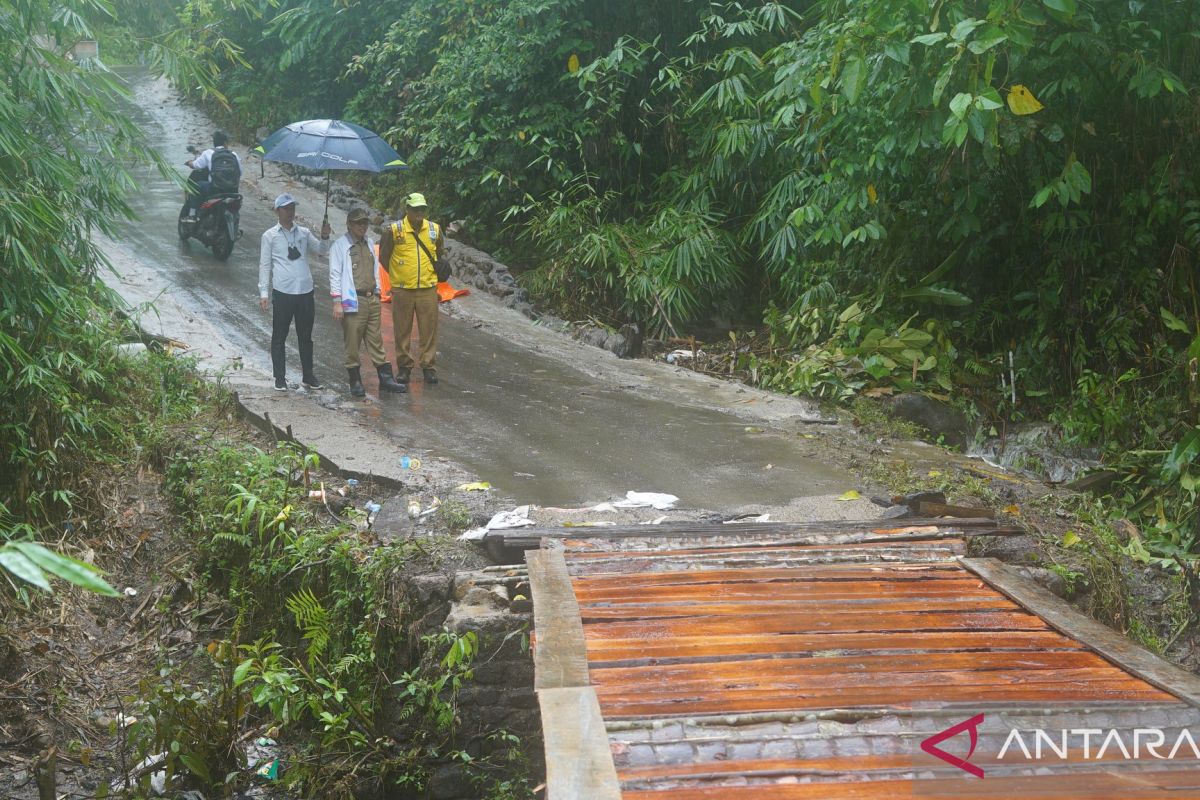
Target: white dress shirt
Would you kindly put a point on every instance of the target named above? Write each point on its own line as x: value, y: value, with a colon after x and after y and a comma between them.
x: 276, y: 271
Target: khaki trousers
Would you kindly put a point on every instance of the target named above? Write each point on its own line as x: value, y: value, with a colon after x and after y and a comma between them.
x: 423, y: 305
x: 363, y: 326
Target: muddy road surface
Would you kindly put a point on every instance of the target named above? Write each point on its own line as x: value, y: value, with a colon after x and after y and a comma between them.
x: 546, y: 422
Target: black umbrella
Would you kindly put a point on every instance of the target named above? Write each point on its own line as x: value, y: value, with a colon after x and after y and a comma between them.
x: 330, y: 144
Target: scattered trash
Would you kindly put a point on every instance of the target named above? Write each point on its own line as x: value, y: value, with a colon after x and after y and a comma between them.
x: 351, y: 482
x: 130, y: 591
x: 676, y: 356
x: 762, y: 517
x: 753, y: 429
x: 477, y: 486
x: 769, y: 466
x: 317, y: 494
x: 655, y: 521
x: 264, y: 741
x: 414, y: 509
x: 270, y: 770
x: 434, y: 506
x: 850, y: 495
x: 662, y: 502
x: 516, y: 518
x: 589, y: 524
x: 158, y: 778
x: 124, y: 721
x: 524, y: 475
x: 413, y: 464
x: 372, y: 507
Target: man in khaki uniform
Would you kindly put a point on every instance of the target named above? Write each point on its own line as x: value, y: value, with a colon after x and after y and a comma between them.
x: 410, y: 249
x: 354, y: 287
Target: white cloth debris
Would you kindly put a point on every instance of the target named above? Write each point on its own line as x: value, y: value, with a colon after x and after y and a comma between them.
x: 516, y: 518
x: 662, y: 502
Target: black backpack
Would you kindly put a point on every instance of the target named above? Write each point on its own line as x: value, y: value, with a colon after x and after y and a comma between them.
x: 225, y: 171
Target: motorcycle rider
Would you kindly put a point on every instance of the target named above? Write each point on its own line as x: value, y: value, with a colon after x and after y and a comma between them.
x: 220, y: 173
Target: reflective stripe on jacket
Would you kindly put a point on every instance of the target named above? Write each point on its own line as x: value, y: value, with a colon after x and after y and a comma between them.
x: 409, y: 267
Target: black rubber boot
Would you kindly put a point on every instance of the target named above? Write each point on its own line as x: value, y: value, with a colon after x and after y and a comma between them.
x: 430, y: 374
x: 356, y: 385
x: 402, y: 374
x: 386, y: 382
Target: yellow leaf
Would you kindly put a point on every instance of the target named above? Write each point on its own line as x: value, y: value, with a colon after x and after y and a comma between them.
x: 1016, y: 512
x: 1070, y: 539
x: 573, y: 64
x: 1021, y: 101
x: 850, y: 495
x: 872, y: 195
x: 933, y: 473
x: 521, y: 135
x: 477, y: 486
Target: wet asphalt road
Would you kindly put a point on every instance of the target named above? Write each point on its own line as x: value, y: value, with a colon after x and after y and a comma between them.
x: 535, y: 428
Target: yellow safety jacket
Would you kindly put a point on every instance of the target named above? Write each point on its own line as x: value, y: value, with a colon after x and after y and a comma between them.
x: 409, y: 266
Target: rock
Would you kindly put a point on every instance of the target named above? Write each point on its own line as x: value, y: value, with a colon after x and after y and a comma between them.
x: 627, y: 343
x: 1048, y: 578
x: 451, y: 782
x: 940, y: 419
x: 913, y: 499
x: 896, y: 512
x: 1096, y: 482
x: 597, y: 337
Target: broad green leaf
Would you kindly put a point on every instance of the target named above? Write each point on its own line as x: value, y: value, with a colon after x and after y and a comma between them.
x: 963, y: 29
x: 1182, y: 454
x: 22, y: 567
x: 960, y: 104
x: 241, y: 671
x: 1063, y: 6
x: 989, y: 100
x: 197, y: 766
x: 1173, y: 322
x: 930, y: 38
x: 897, y: 51
x: 938, y: 296
x: 69, y: 569
x: 854, y: 77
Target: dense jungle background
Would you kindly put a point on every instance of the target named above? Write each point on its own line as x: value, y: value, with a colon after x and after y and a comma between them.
x: 994, y: 202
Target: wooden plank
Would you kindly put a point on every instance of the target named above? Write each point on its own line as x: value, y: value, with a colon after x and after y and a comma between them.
x: 961, y: 512
x: 900, y: 698
x: 560, y: 655
x: 633, y: 652
x: 1105, y: 641
x: 685, y: 608
x: 884, y: 624
x: 579, y: 763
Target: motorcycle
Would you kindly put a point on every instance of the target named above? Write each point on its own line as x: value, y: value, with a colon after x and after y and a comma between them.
x: 217, y: 218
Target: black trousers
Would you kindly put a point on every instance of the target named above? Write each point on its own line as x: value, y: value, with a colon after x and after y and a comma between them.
x: 285, y: 308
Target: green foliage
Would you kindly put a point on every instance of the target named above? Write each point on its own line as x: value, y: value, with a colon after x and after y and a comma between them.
x: 330, y: 623
x: 30, y: 562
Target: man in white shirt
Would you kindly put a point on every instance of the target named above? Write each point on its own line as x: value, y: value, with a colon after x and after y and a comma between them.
x: 208, y: 184
x: 285, y: 285
x: 354, y: 287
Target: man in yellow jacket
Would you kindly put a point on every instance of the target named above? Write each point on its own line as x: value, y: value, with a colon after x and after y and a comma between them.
x: 409, y: 249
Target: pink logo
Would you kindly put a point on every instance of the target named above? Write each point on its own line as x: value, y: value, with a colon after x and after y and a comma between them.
x: 930, y: 745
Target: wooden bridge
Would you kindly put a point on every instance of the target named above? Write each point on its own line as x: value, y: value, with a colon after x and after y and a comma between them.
x: 756, y: 662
